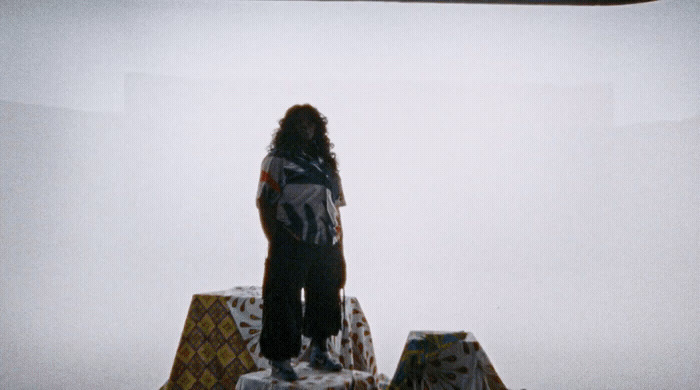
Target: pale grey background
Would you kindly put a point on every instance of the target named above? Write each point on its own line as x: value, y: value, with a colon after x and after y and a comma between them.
x: 530, y: 174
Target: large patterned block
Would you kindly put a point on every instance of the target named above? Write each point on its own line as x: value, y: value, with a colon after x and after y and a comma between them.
x: 219, y: 341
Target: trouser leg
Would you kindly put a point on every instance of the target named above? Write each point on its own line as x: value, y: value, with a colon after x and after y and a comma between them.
x: 326, y: 276
x: 280, y: 338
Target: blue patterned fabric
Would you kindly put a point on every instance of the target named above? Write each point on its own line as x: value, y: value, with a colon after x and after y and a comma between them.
x: 444, y: 361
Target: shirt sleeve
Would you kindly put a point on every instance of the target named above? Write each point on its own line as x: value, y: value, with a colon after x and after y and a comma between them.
x: 271, y: 181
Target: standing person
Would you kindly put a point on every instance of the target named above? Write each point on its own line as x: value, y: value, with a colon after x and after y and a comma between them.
x: 298, y: 197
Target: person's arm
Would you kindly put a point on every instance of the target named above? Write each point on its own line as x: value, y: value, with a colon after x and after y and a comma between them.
x: 339, y: 229
x: 269, y: 192
x: 268, y: 219
x: 338, y: 204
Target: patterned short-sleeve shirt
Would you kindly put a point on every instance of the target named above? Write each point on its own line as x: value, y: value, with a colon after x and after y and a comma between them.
x: 306, y: 194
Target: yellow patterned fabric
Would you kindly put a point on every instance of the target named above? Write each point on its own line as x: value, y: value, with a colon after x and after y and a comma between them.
x: 211, y: 354
x: 438, y: 360
x: 219, y: 342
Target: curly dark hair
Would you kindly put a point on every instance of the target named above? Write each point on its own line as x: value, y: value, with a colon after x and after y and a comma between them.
x: 288, y: 139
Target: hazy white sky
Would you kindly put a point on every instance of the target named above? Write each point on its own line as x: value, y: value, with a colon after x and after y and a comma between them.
x: 76, y: 55
x: 527, y: 173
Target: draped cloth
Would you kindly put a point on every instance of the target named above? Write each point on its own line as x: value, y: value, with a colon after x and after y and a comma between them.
x: 219, y: 342
x: 444, y: 360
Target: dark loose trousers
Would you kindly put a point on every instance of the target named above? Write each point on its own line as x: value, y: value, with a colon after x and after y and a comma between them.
x: 290, y: 266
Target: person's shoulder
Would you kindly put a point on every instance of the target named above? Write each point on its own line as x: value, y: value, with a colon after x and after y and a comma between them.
x: 275, y: 160
x: 273, y: 155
